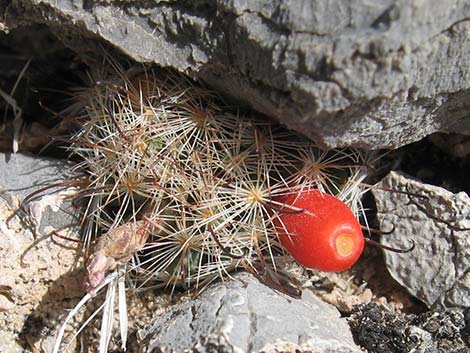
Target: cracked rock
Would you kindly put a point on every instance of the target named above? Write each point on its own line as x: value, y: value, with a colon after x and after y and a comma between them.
x: 368, y: 74
x: 438, y: 221
x: 244, y: 315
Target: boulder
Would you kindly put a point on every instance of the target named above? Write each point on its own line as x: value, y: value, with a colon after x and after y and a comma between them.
x: 365, y: 74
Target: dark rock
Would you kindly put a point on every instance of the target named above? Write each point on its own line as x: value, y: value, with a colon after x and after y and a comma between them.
x: 244, y: 315
x: 378, y: 74
x: 377, y: 330
x: 435, y: 331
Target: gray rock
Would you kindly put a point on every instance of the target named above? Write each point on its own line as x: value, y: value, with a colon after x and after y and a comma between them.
x: 244, y: 315
x: 369, y: 74
x: 438, y: 221
x: 21, y: 175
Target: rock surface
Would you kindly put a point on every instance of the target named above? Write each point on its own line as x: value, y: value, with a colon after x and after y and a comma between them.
x: 435, y: 331
x: 21, y: 175
x: 244, y: 315
x: 438, y: 221
x: 370, y: 74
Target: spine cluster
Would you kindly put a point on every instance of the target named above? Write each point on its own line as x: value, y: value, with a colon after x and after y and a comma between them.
x: 158, y: 148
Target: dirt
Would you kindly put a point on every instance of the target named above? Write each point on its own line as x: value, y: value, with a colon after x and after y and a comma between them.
x: 37, y: 283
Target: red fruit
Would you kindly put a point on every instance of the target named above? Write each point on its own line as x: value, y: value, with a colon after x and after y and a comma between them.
x: 326, y: 236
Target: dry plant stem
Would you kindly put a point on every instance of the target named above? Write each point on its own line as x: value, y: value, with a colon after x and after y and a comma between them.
x: 380, y: 232
x: 64, y: 184
x: 75, y: 310
x: 18, y: 112
x: 384, y: 247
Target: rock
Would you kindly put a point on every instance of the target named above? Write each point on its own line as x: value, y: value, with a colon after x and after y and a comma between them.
x: 37, y: 283
x: 243, y: 315
x: 435, y: 331
x: 380, y: 74
x: 378, y: 330
x: 21, y: 175
x: 438, y: 221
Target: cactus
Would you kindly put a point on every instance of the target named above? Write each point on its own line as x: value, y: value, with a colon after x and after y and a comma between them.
x: 158, y: 147
x: 197, y: 181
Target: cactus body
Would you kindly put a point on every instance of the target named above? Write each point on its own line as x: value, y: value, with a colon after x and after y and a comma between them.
x: 159, y: 148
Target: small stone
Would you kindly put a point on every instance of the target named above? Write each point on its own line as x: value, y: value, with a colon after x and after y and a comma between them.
x: 5, y: 303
